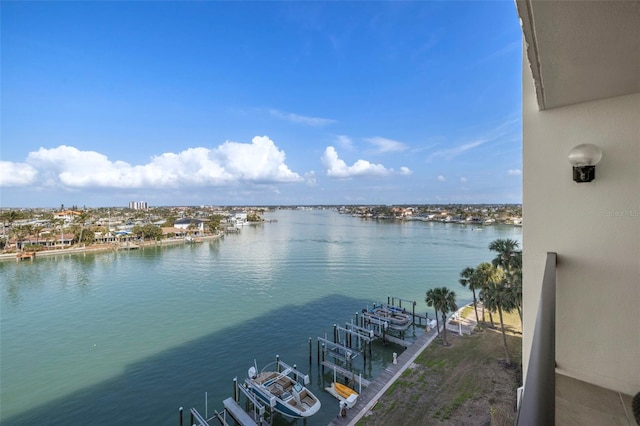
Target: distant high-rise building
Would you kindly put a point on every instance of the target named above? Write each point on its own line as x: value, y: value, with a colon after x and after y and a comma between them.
x: 138, y: 205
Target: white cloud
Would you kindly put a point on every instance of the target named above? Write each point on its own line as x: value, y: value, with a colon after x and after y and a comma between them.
x: 345, y: 142
x: 508, y: 127
x: 16, y: 174
x: 259, y: 162
x: 514, y: 172
x: 405, y: 171
x: 451, y: 153
x: 441, y: 178
x: 463, y: 179
x: 386, y: 145
x: 310, y: 178
x: 337, y: 168
x: 295, y: 118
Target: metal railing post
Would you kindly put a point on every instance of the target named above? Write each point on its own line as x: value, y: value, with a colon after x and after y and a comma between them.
x: 537, y: 406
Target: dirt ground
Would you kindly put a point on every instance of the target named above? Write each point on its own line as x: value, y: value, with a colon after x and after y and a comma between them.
x: 465, y: 383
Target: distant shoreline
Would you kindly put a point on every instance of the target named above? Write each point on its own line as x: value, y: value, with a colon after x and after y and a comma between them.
x: 98, y: 248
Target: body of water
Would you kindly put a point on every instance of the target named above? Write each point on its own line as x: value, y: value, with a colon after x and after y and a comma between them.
x: 128, y: 337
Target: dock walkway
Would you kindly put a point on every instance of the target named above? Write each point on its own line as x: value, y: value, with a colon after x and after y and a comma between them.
x: 369, y: 396
x: 374, y: 391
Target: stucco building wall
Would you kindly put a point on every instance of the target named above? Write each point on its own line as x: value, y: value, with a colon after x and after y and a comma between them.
x: 595, y: 230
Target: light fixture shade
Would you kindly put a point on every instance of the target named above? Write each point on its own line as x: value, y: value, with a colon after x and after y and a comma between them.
x: 584, y: 158
x: 586, y: 154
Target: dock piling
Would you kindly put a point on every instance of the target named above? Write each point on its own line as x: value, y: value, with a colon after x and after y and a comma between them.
x: 180, y: 415
x: 236, y: 397
x: 310, y: 352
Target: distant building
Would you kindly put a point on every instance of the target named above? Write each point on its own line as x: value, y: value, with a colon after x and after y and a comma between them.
x: 138, y: 205
x: 67, y: 215
x: 186, y: 223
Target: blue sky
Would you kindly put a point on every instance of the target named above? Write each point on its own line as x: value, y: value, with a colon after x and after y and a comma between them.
x: 241, y: 103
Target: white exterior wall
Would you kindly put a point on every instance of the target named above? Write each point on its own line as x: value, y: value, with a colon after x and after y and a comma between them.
x: 595, y: 230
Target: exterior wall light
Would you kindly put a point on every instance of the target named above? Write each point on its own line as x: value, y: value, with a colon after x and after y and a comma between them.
x: 584, y: 158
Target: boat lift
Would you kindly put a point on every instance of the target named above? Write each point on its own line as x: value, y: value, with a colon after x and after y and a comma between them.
x: 284, y: 370
x: 336, y: 350
x: 231, y: 408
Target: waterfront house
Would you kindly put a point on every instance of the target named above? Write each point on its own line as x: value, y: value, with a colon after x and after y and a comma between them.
x: 67, y: 215
x: 581, y: 334
x: 186, y: 223
x: 175, y: 231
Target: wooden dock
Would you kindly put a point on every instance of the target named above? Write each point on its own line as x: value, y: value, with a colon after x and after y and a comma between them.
x: 238, y: 414
x: 376, y: 389
x: 26, y: 255
x: 370, y: 396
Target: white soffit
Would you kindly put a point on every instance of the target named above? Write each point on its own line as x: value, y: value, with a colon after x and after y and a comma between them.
x: 581, y: 50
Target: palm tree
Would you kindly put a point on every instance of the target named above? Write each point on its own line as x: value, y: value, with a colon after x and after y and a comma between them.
x: 60, y: 222
x: 20, y: 232
x: 433, y: 301
x: 497, y: 298
x: 507, y: 255
x: 81, y: 219
x: 469, y: 278
x: 448, y: 304
x: 28, y: 229
x: 444, y: 301
x: 510, y: 259
x: 485, y: 274
x: 37, y: 229
x: 515, y: 290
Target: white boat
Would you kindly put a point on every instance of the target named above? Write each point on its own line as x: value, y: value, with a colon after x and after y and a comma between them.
x: 395, y: 317
x: 276, y: 388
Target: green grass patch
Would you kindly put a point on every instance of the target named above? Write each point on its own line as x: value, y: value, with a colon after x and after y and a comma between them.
x: 399, y: 383
x: 466, y: 311
x: 435, y: 363
x: 465, y: 391
x: 391, y: 407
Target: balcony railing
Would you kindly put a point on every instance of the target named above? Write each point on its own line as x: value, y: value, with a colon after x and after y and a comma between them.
x: 537, y: 405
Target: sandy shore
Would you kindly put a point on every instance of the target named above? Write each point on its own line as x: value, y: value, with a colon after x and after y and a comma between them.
x: 95, y: 248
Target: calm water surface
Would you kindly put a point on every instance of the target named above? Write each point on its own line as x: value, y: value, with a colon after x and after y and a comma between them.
x: 127, y: 337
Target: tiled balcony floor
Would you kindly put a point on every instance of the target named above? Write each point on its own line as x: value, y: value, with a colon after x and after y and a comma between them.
x: 579, y: 403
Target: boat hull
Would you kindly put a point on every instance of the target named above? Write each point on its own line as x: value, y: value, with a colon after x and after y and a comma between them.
x: 343, y: 390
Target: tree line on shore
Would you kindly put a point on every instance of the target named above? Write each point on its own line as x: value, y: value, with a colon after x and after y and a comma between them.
x: 82, y: 230
x: 497, y: 285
